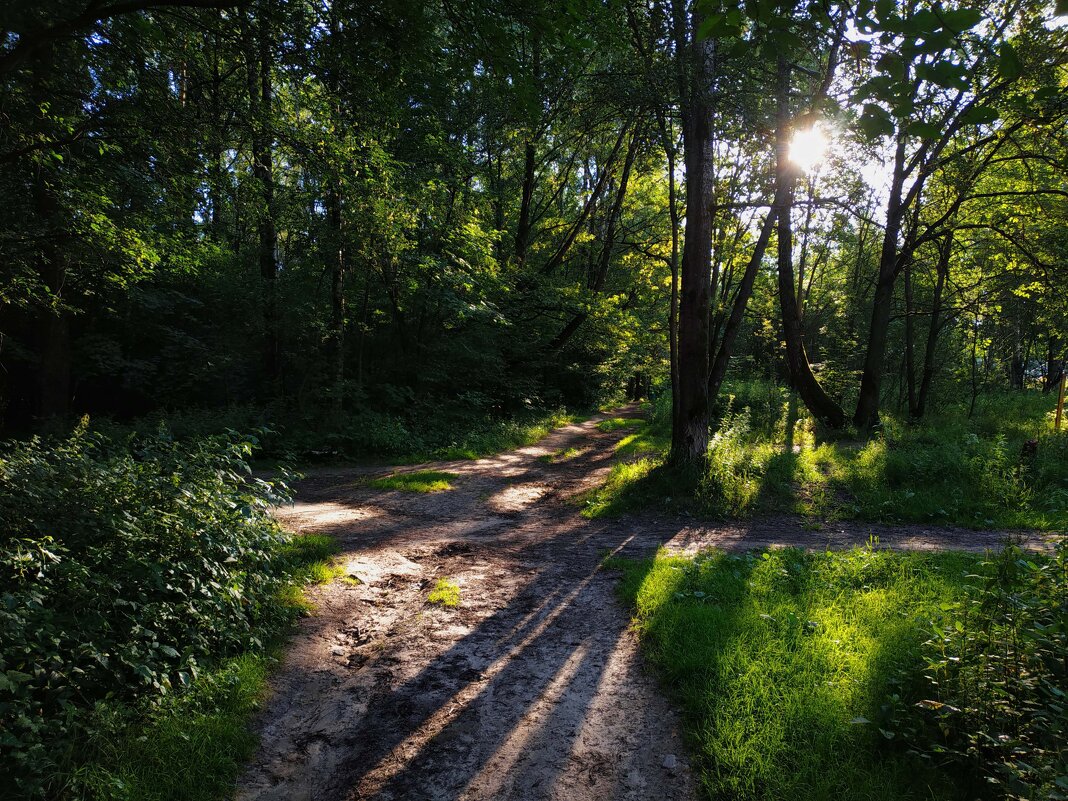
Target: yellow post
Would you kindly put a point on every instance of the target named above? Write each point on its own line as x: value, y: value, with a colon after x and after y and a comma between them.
x: 1060, y: 403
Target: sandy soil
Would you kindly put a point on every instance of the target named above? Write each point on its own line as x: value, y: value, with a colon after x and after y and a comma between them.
x: 533, y: 688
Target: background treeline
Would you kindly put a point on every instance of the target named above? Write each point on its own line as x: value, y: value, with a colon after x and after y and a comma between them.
x: 379, y: 217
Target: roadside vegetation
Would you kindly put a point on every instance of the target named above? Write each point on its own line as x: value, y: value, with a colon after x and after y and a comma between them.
x: 766, y: 455
x: 145, y: 588
x: 865, y: 674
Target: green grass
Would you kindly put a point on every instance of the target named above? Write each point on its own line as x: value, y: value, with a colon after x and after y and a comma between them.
x: 617, y: 423
x: 767, y: 455
x: 502, y: 435
x: 445, y: 593
x: 192, y: 746
x: 785, y: 664
x: 419, y: 481
x: 561, y: 455
x: 188, y: 748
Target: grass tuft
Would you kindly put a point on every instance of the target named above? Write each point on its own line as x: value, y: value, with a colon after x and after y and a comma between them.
x: 445, y: 593
x: 419, y: 481
x: 617, y: 423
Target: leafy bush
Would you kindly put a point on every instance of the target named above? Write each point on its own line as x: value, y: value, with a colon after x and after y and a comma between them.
x: 124, y: 567
x: 993, y: 706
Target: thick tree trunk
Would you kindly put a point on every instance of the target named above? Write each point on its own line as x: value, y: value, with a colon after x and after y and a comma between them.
x: 689, y: 435
x: 822, y: 406
x: 668, y: 138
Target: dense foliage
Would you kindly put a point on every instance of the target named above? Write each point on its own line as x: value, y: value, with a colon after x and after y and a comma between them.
x: 366, y: 221
x: 125, y: 566
x: 996, y: 707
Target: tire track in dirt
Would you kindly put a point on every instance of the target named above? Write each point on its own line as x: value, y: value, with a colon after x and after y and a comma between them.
x: 533, y: 688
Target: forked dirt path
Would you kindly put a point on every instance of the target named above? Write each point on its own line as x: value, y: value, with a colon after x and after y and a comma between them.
x: 532, y: 688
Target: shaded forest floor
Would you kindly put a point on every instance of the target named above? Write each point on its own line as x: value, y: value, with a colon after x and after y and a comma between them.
x: 532, y: 686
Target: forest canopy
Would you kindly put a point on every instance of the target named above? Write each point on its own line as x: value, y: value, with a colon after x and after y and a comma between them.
x: 369, y: 215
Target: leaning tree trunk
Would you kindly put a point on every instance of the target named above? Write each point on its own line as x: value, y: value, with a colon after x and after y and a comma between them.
x: 689, y: 435
x: 867, y: 412
x: 822, y: 406
x: 942, y: 270
x: 741, y: 300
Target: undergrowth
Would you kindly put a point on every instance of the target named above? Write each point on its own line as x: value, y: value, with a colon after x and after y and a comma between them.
x: 767, y: 455
x: 445, y: 593
x: 132, y: 571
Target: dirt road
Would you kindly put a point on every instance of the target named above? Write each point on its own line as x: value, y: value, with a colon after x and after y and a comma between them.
x: 532, y: 688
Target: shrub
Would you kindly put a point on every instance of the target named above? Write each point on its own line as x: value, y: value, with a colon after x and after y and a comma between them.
x: 993, y: 706
x: 124, y: 567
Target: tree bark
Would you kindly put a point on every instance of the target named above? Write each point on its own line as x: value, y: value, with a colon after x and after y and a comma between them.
x: 261, y: 98
x: 689, y: 435
x: 822, y: 406
x: 867, y: 412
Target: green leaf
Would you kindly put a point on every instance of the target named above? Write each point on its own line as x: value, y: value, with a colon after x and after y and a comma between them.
x: 925, y: 130
x: 962, y: 19
x: 981, y: 115
x: 875, y: 121
x: 1009, y: 65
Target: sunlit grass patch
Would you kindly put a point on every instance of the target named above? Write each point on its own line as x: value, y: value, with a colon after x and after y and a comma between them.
x: 785, y: 664
x: 418, y: 481
x: 504, y: 435
x: 445, y: 593
x: 562, y: 455
x: 618, y: 423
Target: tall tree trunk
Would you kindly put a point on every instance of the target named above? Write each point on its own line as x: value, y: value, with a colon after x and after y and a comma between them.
x: 867, y: 412
x: 910, y: 339
x: 261, y: 99
x: 337, y: 301
x: 822, y: 406
x: 942, y: 270
x: 689, y: 435
x: 522, y: 231
x: 673, y: 309
x: 339, y: 266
